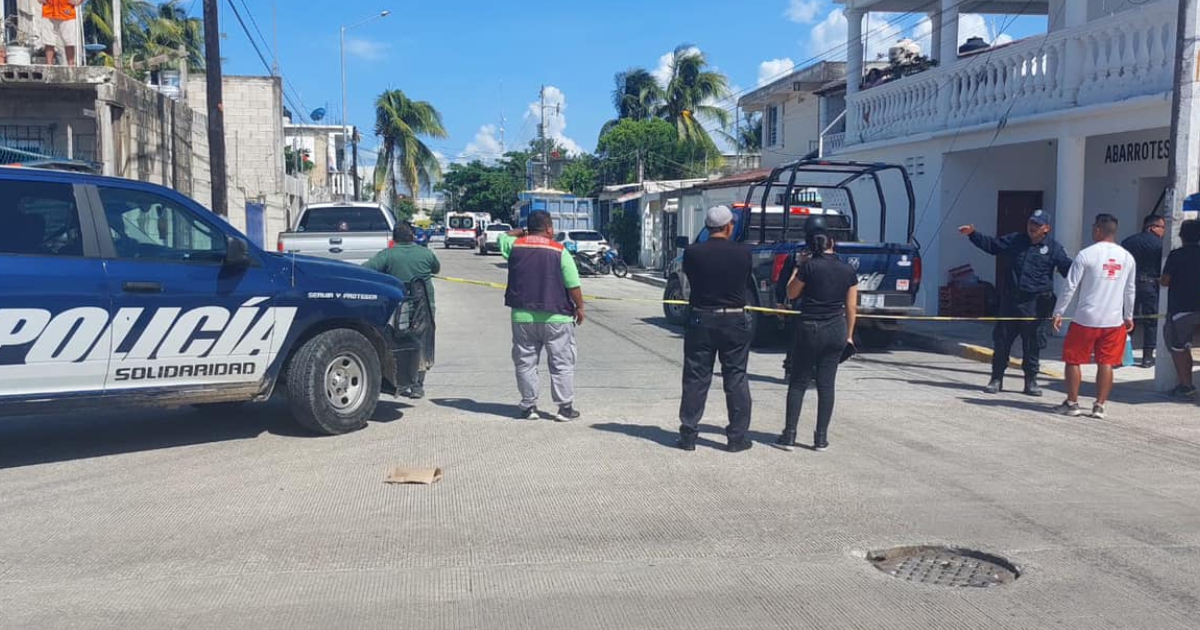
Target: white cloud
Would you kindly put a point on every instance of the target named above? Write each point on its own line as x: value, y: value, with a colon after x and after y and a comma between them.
x: 803, y: 11
x: 972, y: 25
x: 367, y: 49
x: 485, y: 147
x: 922, y: 33
x: 773, y: 69
x: 881, y: 31
x: 829, y: 36
x: 556, y: 118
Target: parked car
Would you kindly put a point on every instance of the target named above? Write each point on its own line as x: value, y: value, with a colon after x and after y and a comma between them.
x: 118, y: 292
x: 582, y: 241
x: 489, y: 239
x: 350, y: 232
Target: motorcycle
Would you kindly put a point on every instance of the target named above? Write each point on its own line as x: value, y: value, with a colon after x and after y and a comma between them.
x: 608, y: 260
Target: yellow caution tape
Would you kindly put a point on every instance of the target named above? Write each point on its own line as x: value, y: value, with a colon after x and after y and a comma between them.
x: 790, y: 312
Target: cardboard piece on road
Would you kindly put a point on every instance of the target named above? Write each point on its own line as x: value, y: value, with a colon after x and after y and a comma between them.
x: 413, y: 474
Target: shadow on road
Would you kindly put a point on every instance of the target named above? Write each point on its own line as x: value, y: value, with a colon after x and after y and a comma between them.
x: 502, y: 410
x: 666, y: 437
x: 31, y: 440
x: 661, y: 322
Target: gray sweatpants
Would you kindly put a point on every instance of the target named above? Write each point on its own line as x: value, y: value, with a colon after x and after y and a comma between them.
x: 559, y: 342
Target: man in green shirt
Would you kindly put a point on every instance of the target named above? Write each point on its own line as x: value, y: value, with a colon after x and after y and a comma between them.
x: 409, y: 262
x: 547, y: 304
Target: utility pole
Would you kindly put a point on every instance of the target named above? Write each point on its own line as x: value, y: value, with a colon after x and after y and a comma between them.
x: 542, y: 137
x: 1183, y: 172
x: 216, y: 110
x: 641, y: 167
x: 274, y: 40
x: 503, y: 121
x: 116, y: 26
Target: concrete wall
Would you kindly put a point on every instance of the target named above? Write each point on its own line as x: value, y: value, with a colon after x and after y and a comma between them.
x: 799, y: 119
x: 254, y: 143
x: 66, y: 118
x: 1125, y: 174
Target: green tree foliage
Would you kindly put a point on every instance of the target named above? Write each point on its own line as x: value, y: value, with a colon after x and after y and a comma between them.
x: 655, y: 142
x: 403, y: 208
x: 580, y: 177
x: 148, y: 30
x: 691, y: 95
x: 478, y: 187
x: 401, y: 123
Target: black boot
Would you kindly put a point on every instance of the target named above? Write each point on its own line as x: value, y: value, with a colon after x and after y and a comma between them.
x: 994, y: 386
x: 686, y: 442
x: 1147, y: 358
x: 787, y: 440
x: 820, y: 442
x: 1031, y: 387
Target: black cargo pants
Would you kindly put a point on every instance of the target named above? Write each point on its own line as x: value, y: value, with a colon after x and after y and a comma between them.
x: 709, y: 336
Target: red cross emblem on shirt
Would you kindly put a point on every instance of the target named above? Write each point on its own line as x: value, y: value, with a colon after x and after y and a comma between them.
x: 1112, y: 267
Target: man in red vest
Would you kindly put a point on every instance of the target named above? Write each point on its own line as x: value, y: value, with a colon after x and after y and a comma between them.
x: 547, y: 304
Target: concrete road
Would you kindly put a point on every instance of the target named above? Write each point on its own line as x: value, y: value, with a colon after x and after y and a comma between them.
x: 156, y: 520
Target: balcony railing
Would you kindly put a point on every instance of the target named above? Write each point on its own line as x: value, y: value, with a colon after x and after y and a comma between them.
x: 1111, y: 59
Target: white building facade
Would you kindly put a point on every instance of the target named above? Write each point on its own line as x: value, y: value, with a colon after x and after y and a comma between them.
x: 1075, y: 121
x: 791, y: 112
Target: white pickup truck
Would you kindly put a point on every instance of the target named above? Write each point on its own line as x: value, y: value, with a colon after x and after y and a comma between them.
x: 350, y: 232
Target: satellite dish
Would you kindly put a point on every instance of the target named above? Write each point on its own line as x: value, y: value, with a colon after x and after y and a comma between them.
x: 317, y: 114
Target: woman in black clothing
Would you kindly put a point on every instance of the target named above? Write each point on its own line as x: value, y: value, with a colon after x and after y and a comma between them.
x: 828, y: 293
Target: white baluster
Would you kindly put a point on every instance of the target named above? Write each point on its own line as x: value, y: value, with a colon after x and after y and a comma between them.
x: 1090, y: 50
x: 1113, y: 67
x: 1157, y: 51
x: 1144, y: 33
x: 1053, y: 67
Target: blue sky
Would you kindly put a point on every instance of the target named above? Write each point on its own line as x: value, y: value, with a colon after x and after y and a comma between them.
x: 477, y: 59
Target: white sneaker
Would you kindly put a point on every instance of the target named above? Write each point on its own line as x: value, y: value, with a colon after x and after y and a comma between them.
x: 1098, y: 411
x: 1068, y: 408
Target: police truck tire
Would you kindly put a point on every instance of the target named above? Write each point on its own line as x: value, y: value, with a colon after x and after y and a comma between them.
x: 676, y: 314
x: 333, y: 382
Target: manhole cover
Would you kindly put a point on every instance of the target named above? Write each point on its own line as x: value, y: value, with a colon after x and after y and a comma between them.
x: 944, y: 566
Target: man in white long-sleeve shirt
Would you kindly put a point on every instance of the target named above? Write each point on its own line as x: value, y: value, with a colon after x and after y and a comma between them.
x: 1104, y: 276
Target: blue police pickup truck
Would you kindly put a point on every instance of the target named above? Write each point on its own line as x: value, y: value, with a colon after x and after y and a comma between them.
x: 845, y: 194
x: 114, y: 291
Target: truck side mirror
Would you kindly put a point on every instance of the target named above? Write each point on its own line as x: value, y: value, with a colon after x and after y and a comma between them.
x: 237, y: 253
x: 681, y: 242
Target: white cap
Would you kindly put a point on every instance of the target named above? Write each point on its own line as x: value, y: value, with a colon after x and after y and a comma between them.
x: 718, y: 217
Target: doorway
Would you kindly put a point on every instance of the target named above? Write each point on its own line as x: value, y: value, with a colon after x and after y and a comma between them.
x: 1152, y: 193
x: 1013, y: 208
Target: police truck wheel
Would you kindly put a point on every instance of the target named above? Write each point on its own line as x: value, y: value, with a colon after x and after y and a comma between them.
x: 333, y: 383
x: 676, y: 314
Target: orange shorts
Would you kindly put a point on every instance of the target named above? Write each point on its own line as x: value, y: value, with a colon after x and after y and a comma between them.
x: 1107, y: 344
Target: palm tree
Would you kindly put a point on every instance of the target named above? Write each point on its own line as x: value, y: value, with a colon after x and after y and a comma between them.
x: 400, y: 122
x: 171, y: 28
x: 748, y: 136
x: 636, y: 96
x: 147, y: 30
x: 690, y: 94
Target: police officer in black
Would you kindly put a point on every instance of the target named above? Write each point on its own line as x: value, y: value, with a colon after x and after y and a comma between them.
x: 1032, y: 259
x: 718, y: 272
x: 1147, y: 250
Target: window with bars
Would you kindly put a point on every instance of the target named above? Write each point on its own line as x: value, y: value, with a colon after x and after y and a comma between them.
x: 773, y: 126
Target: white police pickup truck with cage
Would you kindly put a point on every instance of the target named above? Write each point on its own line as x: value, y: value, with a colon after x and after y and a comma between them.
x: 117, y: 292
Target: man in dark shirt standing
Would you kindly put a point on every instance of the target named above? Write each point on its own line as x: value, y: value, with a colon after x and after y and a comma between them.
x: 718, y: 272
x: 1032, y: 259
x: 1147, y: 250
x: 1181, y: 276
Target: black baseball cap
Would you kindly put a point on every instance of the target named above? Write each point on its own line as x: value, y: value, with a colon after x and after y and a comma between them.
x: 1040, y: 217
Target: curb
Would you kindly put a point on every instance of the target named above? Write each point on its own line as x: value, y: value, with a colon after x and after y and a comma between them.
x: 968, y: 351
x: 653, y: 281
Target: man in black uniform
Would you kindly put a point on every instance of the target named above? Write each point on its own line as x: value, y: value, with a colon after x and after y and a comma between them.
x: 1147, y: 250
x: 1032, y: 258
x: 718, y: 272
